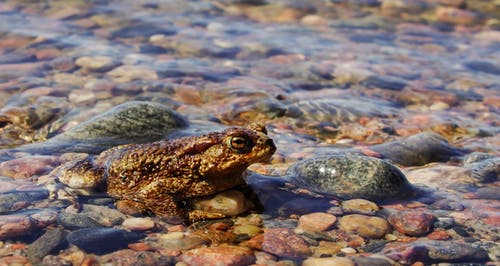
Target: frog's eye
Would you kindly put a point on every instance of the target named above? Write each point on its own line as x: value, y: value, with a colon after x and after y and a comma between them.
x: 239, y: 143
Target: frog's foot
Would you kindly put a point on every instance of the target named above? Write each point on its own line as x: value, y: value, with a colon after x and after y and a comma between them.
x: 197, y: 215
x: 59, y: 191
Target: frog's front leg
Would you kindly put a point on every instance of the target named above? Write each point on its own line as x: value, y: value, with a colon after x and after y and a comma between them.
x: 165, y: 207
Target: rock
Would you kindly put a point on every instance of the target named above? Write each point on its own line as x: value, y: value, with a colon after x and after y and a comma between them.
x: 316, y: 222
x: 96, y: 63
x: 219, y: 255
x: 430, y: 251
x: 143, y: 30
x: 281, y: 242
x: 483, y: 66
x: 176, y: 241
x: 365, y: 226
x: 73, y: 221
x: 102, y: 240
x: 350, y: 176
x: 19, y: 199
x: 131, y: 257
x: 28, y: 166
x: 372, y: 261
x: 102, y: 214
x: 338, y: 261
x: 46, y: 244
x: 361, y: 206
x: 418, y: 149
x: 138, y: 224
x: 130, y: 122
x: 247, y: 229
x: 326, y: 249
x: 128, y: 73
x: 482, y: 166
x: 387, y: 83
x: 412, y: 222
x: 455, y: 16
x: 488, y: 193
x: 15, y: 225
x: 229, y: 203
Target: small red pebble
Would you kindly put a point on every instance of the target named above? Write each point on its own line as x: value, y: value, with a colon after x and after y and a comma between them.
x: 438, y: 235
x: 140, y: 246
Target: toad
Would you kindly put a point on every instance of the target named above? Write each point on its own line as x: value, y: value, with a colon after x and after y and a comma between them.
x: 157, y: 177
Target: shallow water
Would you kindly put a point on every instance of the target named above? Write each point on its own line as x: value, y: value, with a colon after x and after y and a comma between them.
x: 325, y: 76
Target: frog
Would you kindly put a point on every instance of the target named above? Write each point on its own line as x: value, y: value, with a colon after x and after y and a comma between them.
x: 160, y: 177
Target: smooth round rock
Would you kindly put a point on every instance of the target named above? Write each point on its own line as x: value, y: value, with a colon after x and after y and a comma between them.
x: 359, y: 206
x: 138, y: 224
x: 412, y: 222
x: 339, y: 261
x: 229, y: 202
x: 102, y: 240
x: 316, y: 222
x: 350, y: 176
x: 365, y: 226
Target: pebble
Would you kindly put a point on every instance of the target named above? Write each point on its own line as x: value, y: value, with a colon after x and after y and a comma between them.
x: 138, y: 224
x: 45, y: 244
x: 365, y: 226
x: 96, y: 63
x: 326, y: 249
x: 229, y: 203
x: 360, y: 206
x: 429, y: 251
x: 412, y: 222
x: 134, y: 121
x: 73, y: 221
x: 128, y: 73
x: 29, y: 166
x: 219, y: 255
x: 418, y: 149
x: 101, y: 214
x: 247, y: 229
x: 281, y: 242
x: 315, y: 222
x: 176, y: 241
x: 20, y: 199
x: 102, y: 240
x: 338, y: 261
x: 350, y: 176
x: 15, y: 226
x: 131, y: 257
x: 455, y: 16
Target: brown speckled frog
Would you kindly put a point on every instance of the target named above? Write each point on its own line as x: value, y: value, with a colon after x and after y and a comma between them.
x: 156, y: 177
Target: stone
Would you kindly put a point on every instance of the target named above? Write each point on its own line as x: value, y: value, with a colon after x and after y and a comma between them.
x: 21, y: 198
x: 46, y: 244
x: 102, y: 214
x: 73, y: 221
x: 247, y: 229
x: 223, y: 254
x: 28, y: 166
x: 418, y: 149
x: 338, y: 261
x: 128, y: 73
x: 326, y: 249
x: 102, y: 240
x: 455, y: 16
x: 434, y: 251
x: 229, y: 203
x: 387, y: 83
x: 365, y: 226
x: 316, y: 222
x: 96, y: 63
x: 281, y: 242
x: 138, y: 224
x: 412, y: 222
x: 15, y: 225
x: 131, y: 257
x: 176, y: 241
x: 361, y: 206
x: 130, y: 122
x: 350, y: 176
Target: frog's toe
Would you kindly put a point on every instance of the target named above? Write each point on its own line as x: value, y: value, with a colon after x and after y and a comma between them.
x: 196, y: 215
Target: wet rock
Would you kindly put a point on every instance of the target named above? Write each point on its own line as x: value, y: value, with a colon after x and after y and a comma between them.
x: 128, y: 73
x: 176, y: 241
x: 412, y: 222
x: 350, y: 176
x: 143, y: 30
x: 316, y: 222
x: 16, y: 199
x: 16, y: 58
x: 360, y: 206
x: 131, y: 257
x: 418, y: 149
x: 229, y: 202
x: 455, y: 16
x: 28, y: 166
x: 372, y: 261
x: 138, y: 224
x: 102, y: 240
x: 482, y: 166
x: 101, y: 214
x: 131, y: 122
x: 75, y: 221
x: 387, y: 83
x: 429, y: 251
x: 15, y: 225
x: 219, y: 255
x: 328, y: 261
x: 483, y: 66
x: 281, y: 242
x: 45, y: 244
x: 365, y: 226
x: 97, y: 63
x: 488, y: 193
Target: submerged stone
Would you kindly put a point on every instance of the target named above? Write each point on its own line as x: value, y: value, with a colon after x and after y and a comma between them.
x: 418, y: 149
x: 102, y: 240
x: 46, y: 243
x: 130, y: 122
x: 482, y: 166
x: 350, y: 176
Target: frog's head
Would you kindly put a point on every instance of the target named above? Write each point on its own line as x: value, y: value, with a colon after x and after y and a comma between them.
x: 234, y: 149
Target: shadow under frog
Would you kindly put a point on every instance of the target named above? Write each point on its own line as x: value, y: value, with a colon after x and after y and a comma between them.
x: 157, y: 177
